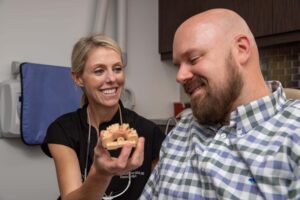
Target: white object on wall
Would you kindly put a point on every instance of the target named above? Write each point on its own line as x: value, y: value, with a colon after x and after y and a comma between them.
x: 128, y: 99
x: 10, y: 108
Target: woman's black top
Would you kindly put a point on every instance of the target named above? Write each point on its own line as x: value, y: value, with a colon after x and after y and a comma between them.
x: 71, y: 129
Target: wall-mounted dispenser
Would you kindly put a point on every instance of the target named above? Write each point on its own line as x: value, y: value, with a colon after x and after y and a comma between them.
x: 10, y: 106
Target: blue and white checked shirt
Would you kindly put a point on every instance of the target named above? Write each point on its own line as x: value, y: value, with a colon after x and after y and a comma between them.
x: 256, y: 156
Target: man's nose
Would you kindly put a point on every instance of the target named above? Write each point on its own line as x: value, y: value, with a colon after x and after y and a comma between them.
x: 184, y: 73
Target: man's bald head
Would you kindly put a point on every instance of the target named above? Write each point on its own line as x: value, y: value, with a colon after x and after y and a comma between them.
x: 223, y: 20
x: 218, y: 62
x: 213, y: 28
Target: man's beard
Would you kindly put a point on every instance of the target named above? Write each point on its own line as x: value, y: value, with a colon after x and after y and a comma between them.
x: 214, y: 106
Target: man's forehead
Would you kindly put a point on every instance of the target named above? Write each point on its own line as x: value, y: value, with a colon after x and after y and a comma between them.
x: 189, y: 52
x: 193, y: 37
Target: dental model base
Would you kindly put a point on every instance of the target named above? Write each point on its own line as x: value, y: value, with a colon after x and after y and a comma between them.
x: 116, y: 135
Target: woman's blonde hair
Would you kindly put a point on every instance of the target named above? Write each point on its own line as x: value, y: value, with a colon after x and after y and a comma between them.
x: 81, y: 51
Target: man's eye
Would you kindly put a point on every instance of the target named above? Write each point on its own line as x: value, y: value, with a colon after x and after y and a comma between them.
x: 177, y: 65
x: 194, y: 60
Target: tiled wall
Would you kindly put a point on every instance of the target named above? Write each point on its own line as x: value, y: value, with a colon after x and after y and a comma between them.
x: 282, y: 62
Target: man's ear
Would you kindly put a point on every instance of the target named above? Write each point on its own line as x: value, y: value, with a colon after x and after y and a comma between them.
x: 243, y: 49
x: 77, y: 79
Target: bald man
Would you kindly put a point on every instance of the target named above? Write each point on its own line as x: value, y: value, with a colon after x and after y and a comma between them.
x: 242, y: 138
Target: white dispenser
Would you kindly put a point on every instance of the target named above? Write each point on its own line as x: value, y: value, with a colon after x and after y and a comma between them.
x: 10, y: 108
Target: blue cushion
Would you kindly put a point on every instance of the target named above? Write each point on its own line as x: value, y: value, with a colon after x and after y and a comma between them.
x: 46, y: 93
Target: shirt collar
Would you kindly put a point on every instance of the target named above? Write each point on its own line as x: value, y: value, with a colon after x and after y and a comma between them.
x: 250, y: 115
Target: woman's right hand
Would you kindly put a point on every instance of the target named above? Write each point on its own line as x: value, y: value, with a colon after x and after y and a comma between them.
x: 105, y: 165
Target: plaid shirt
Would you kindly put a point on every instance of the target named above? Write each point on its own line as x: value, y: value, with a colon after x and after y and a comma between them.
x: 256, y: 156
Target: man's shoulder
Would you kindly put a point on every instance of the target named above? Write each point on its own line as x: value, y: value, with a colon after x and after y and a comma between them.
x: 288, y: 117
x: 292, y: 105
x: 295, y: 103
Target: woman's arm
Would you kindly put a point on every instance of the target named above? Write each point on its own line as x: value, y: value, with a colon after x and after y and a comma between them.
x: 102, y: 170
x: 69, y: 176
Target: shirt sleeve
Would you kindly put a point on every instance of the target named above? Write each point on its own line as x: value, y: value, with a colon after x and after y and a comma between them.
x: 152, y: 186
x: 149, y: 192
x: 57, y: 134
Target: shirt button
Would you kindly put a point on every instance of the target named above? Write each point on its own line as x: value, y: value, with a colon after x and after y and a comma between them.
x: 223, y: 135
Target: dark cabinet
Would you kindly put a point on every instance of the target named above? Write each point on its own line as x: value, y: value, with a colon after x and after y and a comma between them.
x: 271, y: 21
x: 286, y: 16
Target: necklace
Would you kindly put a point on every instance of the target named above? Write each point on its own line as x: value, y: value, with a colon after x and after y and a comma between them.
x: 105, y: 197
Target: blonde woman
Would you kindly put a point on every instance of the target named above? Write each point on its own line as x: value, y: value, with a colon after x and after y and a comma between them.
x: 85, y: 170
